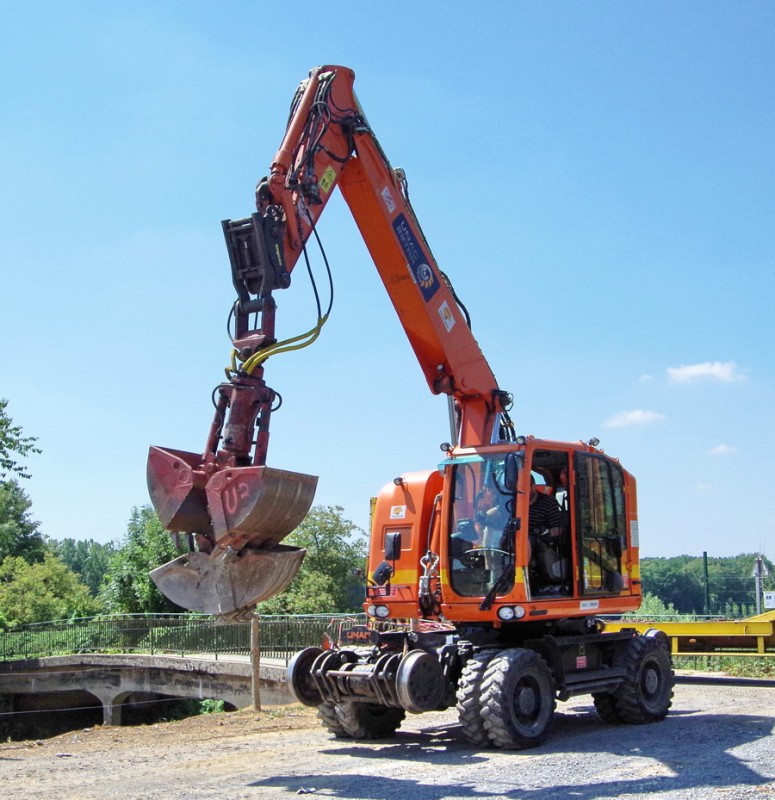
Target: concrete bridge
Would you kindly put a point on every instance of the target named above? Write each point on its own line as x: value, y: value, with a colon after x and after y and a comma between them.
x: 115, y: 680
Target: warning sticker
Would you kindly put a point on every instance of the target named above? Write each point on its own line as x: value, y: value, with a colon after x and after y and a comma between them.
x: 387, y: 197
x: 447, y: 317
x: 327, y: 180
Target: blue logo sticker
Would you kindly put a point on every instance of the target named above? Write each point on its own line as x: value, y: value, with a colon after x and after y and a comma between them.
x: 424, y: 276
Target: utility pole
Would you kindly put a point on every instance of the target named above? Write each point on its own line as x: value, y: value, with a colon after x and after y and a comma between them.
x: 255, y: 659
x: 759, y: 572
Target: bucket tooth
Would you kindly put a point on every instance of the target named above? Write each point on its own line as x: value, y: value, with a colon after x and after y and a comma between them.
x: 226, y: 583
x: 261, y: 505
x: 176, y: 492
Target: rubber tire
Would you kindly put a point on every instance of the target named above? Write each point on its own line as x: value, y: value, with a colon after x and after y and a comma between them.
x: 605, y: 705
x: 328, y: 716
x: 469, y: 696
x: 512, y: 679
x: 365, y: 720
x: 647, y: 692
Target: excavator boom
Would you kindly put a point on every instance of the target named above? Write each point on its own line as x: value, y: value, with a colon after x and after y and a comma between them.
x: 236, y: 507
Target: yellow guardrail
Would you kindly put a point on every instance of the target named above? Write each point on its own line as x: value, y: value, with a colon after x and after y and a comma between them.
x: 754, y: 636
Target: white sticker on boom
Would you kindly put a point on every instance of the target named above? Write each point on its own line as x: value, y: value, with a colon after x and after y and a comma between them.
x: 447, y: 317
x: 588, y: 605
x: 397, y: 512
x: 390, y: 203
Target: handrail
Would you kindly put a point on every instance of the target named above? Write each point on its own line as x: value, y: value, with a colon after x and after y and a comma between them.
x: 181, y: 634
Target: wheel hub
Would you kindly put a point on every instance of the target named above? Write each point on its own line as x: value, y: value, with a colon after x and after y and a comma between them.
x: 527, y: 701
x: 650, y: 681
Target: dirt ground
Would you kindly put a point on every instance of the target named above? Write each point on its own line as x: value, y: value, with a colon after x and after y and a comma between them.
x: 718, y: 741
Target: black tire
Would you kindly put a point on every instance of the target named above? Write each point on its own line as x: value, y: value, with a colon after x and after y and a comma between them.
x: 647, y: 692
x: 518, y: 699
x: 469, y: 695
x: 328, y: 716
x: 367, y: 720
x: 605, y: 705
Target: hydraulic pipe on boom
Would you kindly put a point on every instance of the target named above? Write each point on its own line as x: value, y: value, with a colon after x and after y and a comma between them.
x: 237, y: 509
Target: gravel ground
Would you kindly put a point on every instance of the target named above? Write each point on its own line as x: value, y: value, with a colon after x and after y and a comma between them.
x: 717, y: 742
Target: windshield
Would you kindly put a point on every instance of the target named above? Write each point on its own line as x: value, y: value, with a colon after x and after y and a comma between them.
x: 481, y: 544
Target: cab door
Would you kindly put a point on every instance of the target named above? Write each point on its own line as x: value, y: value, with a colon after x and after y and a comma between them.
x: 601, y: 526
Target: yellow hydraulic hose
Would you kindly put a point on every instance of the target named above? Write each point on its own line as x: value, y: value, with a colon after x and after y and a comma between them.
x: 286, y: 346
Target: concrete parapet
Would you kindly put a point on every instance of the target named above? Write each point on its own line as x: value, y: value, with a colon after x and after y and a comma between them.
x: 112, y: 679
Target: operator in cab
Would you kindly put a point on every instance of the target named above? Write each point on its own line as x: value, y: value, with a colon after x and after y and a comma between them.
x: 544, y: 533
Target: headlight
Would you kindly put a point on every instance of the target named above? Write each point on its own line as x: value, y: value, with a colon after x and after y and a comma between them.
x: 372, y: 611
x: 381, y: 612
x: 509, y: 613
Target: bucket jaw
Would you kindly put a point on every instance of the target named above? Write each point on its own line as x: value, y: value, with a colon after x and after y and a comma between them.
x: 240, y: 516
x: 226, y: 583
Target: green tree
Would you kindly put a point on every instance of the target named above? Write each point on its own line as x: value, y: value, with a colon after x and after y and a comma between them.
x: 328, y: 580
x: 652, y: 607
x: 13, y: 443
x: 88, y: 559
x: 43, y: 591
x: 674, y: 582
x: 19, y: 535
x: 680, y: 581
x: 128, y: 588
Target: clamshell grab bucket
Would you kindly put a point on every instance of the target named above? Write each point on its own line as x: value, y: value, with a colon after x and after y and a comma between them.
x: 245, y: 512
x: 226, y: 584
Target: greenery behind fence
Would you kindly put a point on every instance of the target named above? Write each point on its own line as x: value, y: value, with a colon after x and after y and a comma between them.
x: 176, y: 634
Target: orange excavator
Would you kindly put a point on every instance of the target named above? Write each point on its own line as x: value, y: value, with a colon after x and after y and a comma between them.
x: 487, y: 575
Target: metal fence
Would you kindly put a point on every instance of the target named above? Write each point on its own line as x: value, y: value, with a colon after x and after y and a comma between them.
x: 178, y: 634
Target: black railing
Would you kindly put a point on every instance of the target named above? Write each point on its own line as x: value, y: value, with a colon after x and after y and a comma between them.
x: 178, y: 634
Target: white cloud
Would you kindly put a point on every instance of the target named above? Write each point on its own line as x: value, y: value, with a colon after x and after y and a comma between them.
x: 722, y: 450
x: 723, y: 371
x: 646, y: 378
x: 625, y: 419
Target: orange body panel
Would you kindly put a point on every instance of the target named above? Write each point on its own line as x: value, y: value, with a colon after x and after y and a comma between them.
x: 408, y: 509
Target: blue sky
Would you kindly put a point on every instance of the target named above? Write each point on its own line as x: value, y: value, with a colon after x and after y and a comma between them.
x: 597, y: 179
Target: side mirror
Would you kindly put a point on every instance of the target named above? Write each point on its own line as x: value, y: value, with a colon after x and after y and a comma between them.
x: 510, y: 472
x: 382, y: 573
x: 392, y: 546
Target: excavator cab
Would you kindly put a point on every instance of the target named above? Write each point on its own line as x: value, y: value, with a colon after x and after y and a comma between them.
x: 542, y: 529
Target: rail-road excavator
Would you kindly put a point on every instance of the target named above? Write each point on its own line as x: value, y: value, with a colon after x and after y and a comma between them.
x: 488, y: 574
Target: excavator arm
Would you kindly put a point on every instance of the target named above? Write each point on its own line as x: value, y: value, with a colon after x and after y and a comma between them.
x: 238, y: 509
